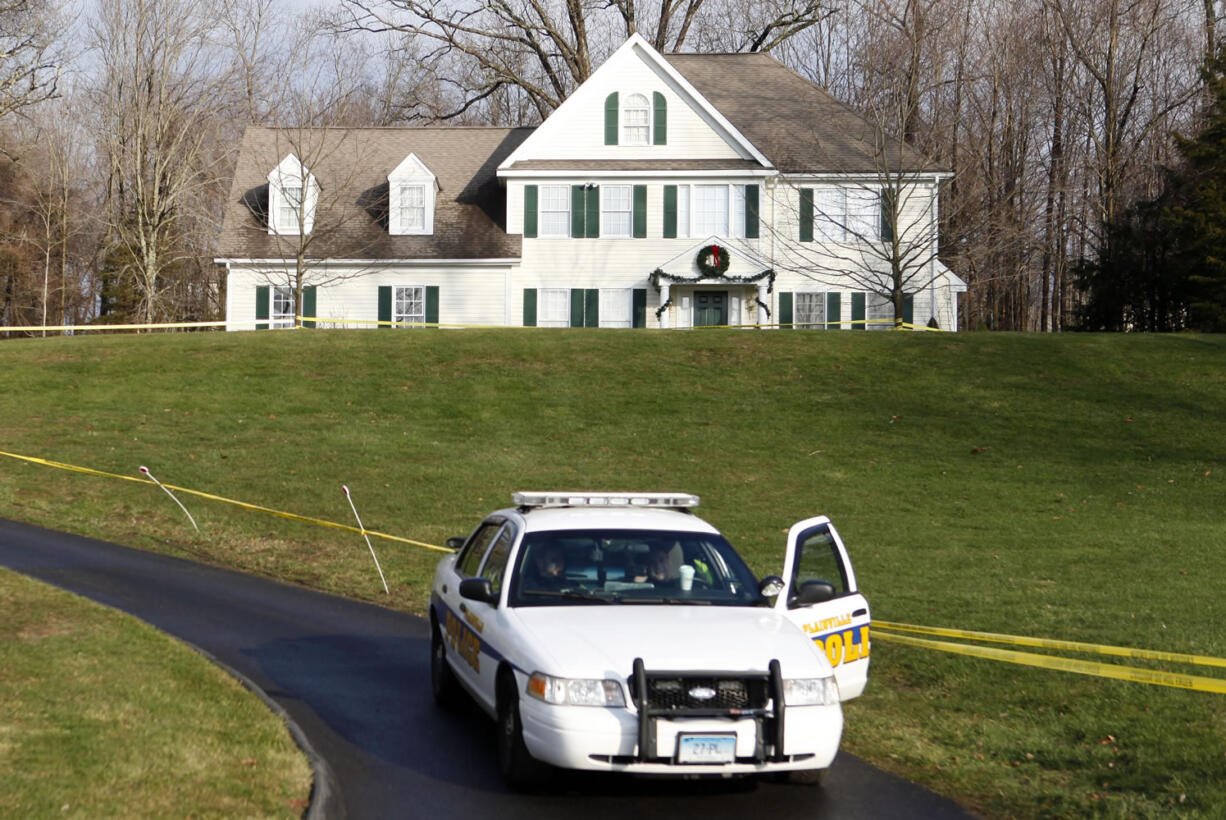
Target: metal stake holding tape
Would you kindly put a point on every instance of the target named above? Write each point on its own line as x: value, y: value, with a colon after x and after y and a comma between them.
x: 367, y: 537
x: 166, y: 490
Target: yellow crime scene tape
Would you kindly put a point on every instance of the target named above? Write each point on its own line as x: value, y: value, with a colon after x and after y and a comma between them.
x: 1052, y: 643
x: 1102, y: 670
x: 243, y: 504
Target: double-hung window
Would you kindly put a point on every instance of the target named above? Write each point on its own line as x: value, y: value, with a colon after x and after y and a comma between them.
x: 710, y: 210
x: 554, y: 210
x: 553, y: 307
x: 412, y: 208
x: 636, y: 120
x: 846, y: 214
x: 409, y: 305
x: 282, y: 314
x: 616, y: 211
x: 810, y: 311
x: 616, y: 305
x: 290, y: 211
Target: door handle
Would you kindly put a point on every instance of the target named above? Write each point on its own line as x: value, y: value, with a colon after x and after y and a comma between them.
x: 463, y: 608
x: 855, y: 614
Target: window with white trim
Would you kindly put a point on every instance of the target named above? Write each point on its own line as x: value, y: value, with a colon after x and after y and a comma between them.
x: 710, y: 212
x: 864, y: 214
x: 553, y: 307
x: 842, y: 214
x: 809, y: 311
x: 411, y: 194
x: 409, y: 305
x: 616, y: 305
x: 616, y: 211
x: 636, y: 120
x: 282, y: 310
x: 683, y: 211
x: 554, y: 210
x: 879, y: 308
x: 290, y: 210
x: 412, y: 207
x: 293, y: 194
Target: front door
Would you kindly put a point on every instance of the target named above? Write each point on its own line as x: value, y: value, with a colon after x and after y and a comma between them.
x: 710, y: 308
x: 840, y: 625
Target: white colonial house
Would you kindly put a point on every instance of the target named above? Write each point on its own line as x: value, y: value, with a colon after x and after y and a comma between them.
x: 667, y: 191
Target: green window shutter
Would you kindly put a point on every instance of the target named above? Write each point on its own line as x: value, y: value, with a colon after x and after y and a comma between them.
x: 751, y: 211
x: 309, y: 304
x: 660, y: 112
x: 529, y: 212
x: 576, y: 307
x: 591, y: 308
x: 834, y: 309
x: 529, y: 307
x: 640, y: 211
x: 670, y: 211
x: 785, y: 309
x: 806, y: 214
x: 591, y: 216
x: 610, y: 119
x: 577, y: 210
x: 908, y: 309
x: 887, y: 217
x: 638, y: 310
x: 857, y: 311
x: 262, y: 299
x: 432, y: 304
x: 385, y: 304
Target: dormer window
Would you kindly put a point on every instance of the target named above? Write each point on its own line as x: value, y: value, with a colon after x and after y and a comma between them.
x: 293, y: 194
x: 411, y: 192
x: 636, y: 120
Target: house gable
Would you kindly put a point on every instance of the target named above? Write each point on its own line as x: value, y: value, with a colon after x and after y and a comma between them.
x: 594, y: 123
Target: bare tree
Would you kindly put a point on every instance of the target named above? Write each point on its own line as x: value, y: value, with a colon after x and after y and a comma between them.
x: 544, y: 51
x: 160, y: 89
x: 29, y: 59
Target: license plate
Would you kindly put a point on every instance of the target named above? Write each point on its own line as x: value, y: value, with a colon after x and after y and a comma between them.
x: 706, y: 748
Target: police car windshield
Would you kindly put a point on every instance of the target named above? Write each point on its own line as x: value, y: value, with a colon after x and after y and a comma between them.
x: 577, y: 567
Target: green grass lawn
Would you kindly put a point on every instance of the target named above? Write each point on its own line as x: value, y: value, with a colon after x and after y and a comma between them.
x: 1056, y: 486
x: 103, y: 716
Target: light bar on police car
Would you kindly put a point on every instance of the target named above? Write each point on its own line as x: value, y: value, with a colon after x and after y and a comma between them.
x: 563, y: 499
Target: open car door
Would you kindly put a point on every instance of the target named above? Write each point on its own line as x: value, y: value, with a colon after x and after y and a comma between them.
x: 835, y: 617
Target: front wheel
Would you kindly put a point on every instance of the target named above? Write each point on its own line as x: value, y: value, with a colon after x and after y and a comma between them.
x: 520, y: 770
x: 443, y: 683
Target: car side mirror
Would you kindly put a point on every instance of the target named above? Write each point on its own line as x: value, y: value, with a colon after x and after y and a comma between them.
x: 456, y: 541
x: 812, y: 592
x: 770, y: 586
x: 478, y: 589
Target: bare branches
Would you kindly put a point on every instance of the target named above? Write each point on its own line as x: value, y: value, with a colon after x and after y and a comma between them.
x: 29, y: 61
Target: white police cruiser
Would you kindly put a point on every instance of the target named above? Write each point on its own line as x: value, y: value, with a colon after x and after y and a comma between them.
x: 620, y: 632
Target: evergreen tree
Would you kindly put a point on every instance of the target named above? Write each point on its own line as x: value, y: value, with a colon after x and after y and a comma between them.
x: 1167, y: 266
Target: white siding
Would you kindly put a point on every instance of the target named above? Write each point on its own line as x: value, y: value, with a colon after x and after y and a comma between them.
x: 576, y: 129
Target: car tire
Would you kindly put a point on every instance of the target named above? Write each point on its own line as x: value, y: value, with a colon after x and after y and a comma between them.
x: 443, y: 683
x: 520, y: 770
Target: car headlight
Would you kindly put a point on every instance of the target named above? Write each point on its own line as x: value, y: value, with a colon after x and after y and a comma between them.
x: 575, y: 691
x: 810, y: 691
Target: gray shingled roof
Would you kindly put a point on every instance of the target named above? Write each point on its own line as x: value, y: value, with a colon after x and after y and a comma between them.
x: 596, y: 165
x: 799, y: 127
x: 351, y: 166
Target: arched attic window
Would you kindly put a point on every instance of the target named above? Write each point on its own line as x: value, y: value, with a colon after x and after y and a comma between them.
x: 635, y: 121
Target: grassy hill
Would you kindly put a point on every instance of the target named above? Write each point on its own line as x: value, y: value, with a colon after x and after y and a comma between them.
x: 1067, y: 487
